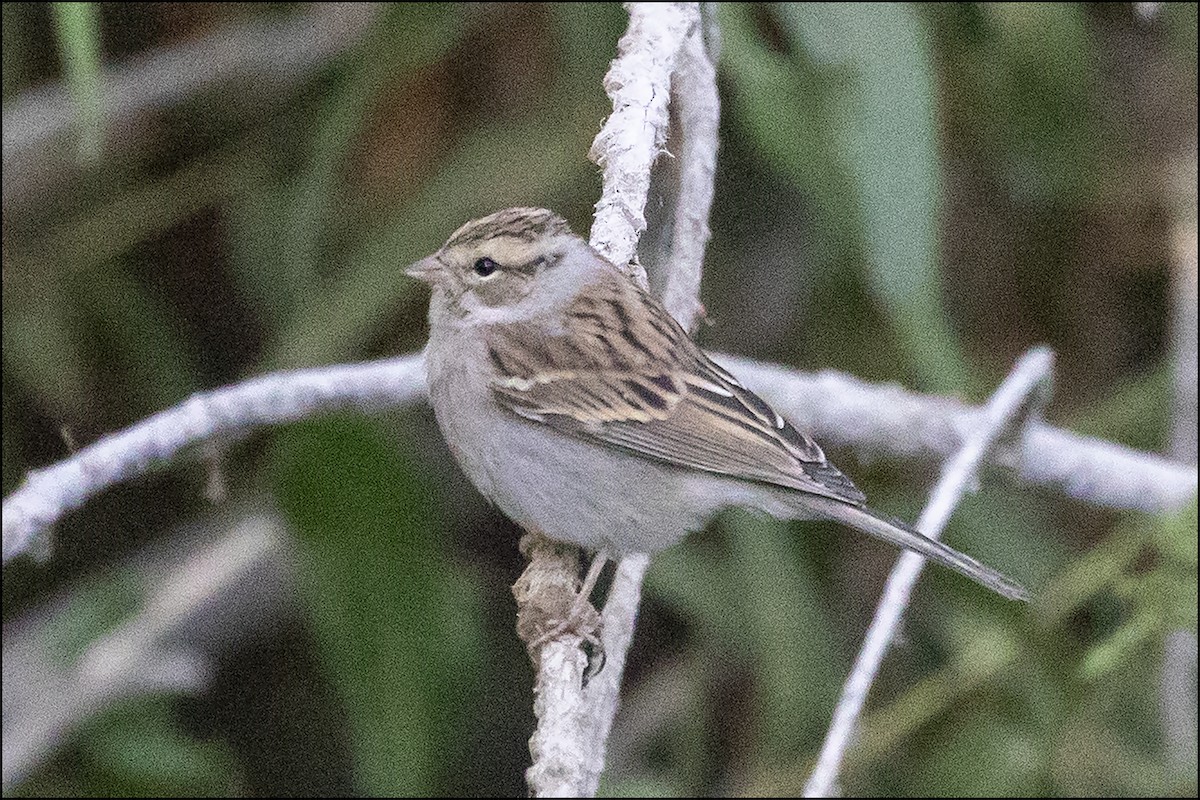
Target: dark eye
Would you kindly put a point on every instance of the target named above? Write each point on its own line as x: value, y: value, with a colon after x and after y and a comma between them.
x: 485, y: 267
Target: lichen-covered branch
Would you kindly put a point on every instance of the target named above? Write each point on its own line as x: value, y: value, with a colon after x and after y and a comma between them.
x: 633, y: 136
x: 661, y: 43
x: 887, y: 420
x: 48, y: 493
x: 874, y: 420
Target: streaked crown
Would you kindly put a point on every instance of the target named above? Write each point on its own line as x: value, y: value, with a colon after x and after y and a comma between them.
x: 524, y: 224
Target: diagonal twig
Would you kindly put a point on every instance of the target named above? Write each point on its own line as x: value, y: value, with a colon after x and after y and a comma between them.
x: 1021, y: 393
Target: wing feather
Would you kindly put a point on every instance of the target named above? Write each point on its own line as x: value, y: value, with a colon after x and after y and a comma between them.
x: 622, y: 373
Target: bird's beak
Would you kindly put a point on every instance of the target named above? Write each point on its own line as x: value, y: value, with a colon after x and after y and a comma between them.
x: 428, y: 269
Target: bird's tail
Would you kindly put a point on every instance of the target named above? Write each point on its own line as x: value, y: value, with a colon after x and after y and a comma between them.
x: 898, y: 533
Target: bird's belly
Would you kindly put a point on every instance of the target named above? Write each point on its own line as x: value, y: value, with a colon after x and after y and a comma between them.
x: 596, y: 497
x: 568, y: 489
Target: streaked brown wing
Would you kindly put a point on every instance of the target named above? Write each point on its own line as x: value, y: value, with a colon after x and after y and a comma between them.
x: 629, y: 377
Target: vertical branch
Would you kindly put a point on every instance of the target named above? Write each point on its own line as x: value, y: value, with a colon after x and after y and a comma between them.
x: 698, y: 108
x: 631, y: 139
x: 1177, y: 683
x: 1177, y: 697
x: 661, y: 59
x: 544, y: 591
x: 1184, y: 331
x: 603, y: 694
x: 694, y: 91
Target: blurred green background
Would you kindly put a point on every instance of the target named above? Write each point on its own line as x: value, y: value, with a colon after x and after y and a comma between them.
x: 909, y: 194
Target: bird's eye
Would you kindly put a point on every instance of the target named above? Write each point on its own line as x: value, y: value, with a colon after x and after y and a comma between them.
x: 485, y: 267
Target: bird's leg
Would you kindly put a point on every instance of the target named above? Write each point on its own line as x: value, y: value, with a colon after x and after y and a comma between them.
x: 550, y: 601
x: 582, y: 618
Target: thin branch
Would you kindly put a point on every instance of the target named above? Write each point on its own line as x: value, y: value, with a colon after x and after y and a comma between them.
x: 1006, y: 412
x: 47, y: 494
x: 1177, y: 683
x: 697, y: 107
x: 1177, y: 697
x: 544, y: 593
x: 632, y: 138
x: 886, y: 420
x: 604, y: 692
x: 1184, y: 338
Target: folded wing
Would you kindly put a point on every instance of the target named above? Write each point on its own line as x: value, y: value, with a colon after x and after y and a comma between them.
x: 620, y: 371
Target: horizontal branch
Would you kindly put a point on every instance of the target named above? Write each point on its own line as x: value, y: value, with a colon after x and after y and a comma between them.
x: 887, y: 420
x: 841, y: 410
x: 47, y: 494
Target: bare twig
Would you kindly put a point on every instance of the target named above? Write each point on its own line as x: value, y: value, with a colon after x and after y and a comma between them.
x: 1007, y: 410
x: 603, y: 693
x: 697, y: 107
x: 876, y: 420
x: 1177, y: 695
x: 639, y: 83
x: 48, y: 493
x: 1184, y: 328
x: 1177, y: 686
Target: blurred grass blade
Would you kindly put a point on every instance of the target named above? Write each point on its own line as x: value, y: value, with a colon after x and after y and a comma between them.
x: 78, y: 30
x: 146, y: 338
x: 477, y: 178
x: 789, y: 633
x: 428, y: 32
x: 782, y: 107
x: 883, y: 120
x: 41, y: 343
x: 398, y: 624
